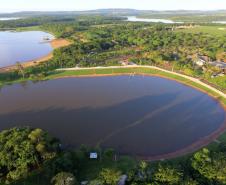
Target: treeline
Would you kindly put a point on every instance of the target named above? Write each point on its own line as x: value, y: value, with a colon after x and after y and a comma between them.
x: 103, y: 40
x: 32, y: 156
x: 36, y: 21
x: 41, y: 20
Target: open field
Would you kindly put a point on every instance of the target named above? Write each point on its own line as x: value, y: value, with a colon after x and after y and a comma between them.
x: 213, y: 30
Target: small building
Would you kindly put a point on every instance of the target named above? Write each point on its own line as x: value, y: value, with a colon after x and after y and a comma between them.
x: 219, y: 64
x: 93, y: 155
x: 201, y: 60
x: 126, y: 63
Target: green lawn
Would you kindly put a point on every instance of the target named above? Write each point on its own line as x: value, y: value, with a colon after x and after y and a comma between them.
x: 30, y: 28
x: 213, y: 30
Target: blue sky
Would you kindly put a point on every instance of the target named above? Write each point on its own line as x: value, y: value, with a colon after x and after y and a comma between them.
x: 44, y: 5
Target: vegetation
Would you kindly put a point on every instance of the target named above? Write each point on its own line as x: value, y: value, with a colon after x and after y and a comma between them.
x: 23, y: 149
x: 64, y: 178
x: 107, y: 41
x: 206, y: 17
x: 31, y: 156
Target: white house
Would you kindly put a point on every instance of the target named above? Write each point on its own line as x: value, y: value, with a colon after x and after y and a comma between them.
x: 200, y: 62
x: 93, y: 155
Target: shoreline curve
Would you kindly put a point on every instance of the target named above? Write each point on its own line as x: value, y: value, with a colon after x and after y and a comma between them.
x: 186, y: 150
x: 55, y: 44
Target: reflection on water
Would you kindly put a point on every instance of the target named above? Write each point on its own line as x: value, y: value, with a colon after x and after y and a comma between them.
x: 139, y: 115
x: 22, y: 46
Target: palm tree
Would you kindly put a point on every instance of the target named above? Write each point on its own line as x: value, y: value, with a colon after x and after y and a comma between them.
x: 20, y: 68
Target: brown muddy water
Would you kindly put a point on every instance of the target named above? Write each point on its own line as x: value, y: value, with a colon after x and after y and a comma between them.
x: 145, y: 116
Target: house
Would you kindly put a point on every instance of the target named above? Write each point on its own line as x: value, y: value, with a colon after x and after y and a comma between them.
x: 126, y: 62
x: 184, y: 27
x: 219, y: 64
x: 93, y: 155
x: 201, y: 60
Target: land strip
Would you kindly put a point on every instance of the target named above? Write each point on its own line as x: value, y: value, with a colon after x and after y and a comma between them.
x: 155, y: 68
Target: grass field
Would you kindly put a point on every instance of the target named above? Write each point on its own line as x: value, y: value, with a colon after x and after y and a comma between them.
x: 213, y: 30
x: 30, y: 28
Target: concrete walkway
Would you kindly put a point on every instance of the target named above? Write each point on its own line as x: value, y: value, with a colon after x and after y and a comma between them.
x: 150, y: 67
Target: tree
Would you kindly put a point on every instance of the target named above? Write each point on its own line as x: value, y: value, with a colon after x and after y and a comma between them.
x: 167, y: 175
x: 109, y: 176
x: 143, y: 173
x: 213, y: 168
x: 19, y: 154
x: 64, y: 178
x: 189, y: 182
x: 20, y: 68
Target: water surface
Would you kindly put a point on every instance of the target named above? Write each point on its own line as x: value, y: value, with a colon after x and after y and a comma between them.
x: 219, y: 22
x: 144, y: 116
x: 22, y: 46
x: 166, y: 21
x: 9, y: 18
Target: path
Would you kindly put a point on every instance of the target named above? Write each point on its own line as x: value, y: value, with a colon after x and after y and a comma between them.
x: 151, y: 67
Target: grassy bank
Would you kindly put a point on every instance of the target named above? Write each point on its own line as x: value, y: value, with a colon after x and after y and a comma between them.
x: 128, y: 71
x: 212, y: 30
x: 118, y: 71
x: 142, y: 71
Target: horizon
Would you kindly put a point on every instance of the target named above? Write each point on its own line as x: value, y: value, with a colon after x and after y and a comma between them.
x: 12, y: 6
x: 198, y: 10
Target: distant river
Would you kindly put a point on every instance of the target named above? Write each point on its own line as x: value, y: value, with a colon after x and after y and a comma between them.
x: 138, y: 115
x: 166, y: 21
x: 9, y: 18
x: 22, y: 46
x: 219, y: 22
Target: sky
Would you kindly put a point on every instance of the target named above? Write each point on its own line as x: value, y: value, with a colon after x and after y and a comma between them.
x: 70, y: 5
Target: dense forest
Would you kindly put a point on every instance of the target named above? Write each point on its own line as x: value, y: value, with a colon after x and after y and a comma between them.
x: 32, y: 156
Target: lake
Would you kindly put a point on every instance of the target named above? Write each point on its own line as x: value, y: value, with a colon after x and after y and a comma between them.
x: 22, y: 46
x: 144, y: 116
x: 9, y: 18
x: 166, y: 21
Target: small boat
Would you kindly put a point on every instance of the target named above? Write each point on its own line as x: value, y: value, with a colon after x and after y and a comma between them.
x: 46, y: 38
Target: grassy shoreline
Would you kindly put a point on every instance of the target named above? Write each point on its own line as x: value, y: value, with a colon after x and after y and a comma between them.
x: 220, y: 134
x: 136, y: 70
